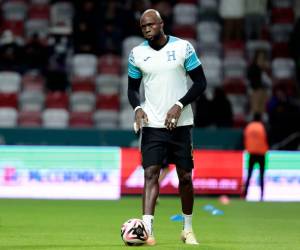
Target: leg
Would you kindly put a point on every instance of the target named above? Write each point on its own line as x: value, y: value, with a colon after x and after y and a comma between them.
x: 163, y: 174
x: 186, y: 190
x: 250, y: 170
x: 261, y: 175
x: 151, y: 189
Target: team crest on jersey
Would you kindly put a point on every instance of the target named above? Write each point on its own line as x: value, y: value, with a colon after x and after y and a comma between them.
x: 189, y: 51
x: 171, y: 55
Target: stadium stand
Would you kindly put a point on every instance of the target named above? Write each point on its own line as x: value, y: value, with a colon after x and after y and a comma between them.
x: 73, y: 73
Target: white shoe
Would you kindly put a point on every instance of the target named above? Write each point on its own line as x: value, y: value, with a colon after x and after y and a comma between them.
x: 151, y: 241
x: 188, y: 237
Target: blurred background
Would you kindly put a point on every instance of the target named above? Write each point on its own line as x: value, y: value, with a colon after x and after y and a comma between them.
x: 63, y: 69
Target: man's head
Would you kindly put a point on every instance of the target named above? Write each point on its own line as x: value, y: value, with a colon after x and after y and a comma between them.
x: 151, y: 25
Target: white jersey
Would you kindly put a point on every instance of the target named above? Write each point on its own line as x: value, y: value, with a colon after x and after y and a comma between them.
x: 164, y: 75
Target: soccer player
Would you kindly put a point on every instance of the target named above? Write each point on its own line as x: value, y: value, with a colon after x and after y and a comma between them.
x: 165, y: 119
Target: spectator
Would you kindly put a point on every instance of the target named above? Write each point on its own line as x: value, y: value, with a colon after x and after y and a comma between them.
x: 11, y: 53
x: 221, y: 109
x: 35, y: 53
x: 260, y: 82
x: 203, y: 113
x: 85, y: 27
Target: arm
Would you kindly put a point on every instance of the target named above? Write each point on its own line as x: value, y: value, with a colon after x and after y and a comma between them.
x: 199, y: 85
x: 134, y: 100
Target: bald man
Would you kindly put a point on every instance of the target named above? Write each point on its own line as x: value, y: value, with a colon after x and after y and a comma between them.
x: 165, y: 120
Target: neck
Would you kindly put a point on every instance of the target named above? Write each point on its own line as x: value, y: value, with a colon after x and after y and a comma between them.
x: 159, y: 42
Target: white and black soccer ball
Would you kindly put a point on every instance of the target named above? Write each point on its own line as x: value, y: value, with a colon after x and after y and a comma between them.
x: 134, y: 232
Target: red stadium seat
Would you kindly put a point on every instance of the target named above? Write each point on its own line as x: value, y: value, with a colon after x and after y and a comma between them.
x: 9, y: 100
x: 185, y: 31
x: 280, y: 50
x: 39, y: 11
x: 30, y: 119
x: 282, y: 15
x: 57, y: 99
x: 81, y: 119
x: 33, y: 82
x: 15, y: 26
x: 110, y: 64
x: 108, y: 102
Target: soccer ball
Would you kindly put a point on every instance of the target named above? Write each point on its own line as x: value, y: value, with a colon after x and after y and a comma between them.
x: 134, y: 232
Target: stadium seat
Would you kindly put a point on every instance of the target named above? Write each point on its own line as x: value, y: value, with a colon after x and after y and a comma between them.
x: 213, y: 69
x: 57, y: 99
x: 210, y: 49
x: 8, y: 117
x: 106, y: 119
x: 281, y: 3
x: 280, y: 33
x: 33, y: 81
x: 282, y: 15
x: 9, y: 100
x: 110, y: 64
x: 39, y: 11
x: 234, y: 48
x: 108, y: 102
x: 14, y: 10
x: 234, y: 67
x: 185, y: 31
x: 15, y: 26
x: 82, y: 101
x: 31, y: 100
x: 108, y: 84
x: 81, y: 120
x: 185, y: 14
x: 37, y: 26
x: 126, y: 118
x: 55, y: 118
x: 84, y: 65
x: 61, y: 14
x: 10, y: 82
x: 253, y: 45
x: 280, y: 50
x: 84, y: 84
x: 209, y: 5
x: 283, y: 68
x: 208, y: 32
x: 30, y: 119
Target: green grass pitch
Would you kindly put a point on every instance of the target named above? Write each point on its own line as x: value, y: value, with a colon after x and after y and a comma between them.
x: 84, y: 225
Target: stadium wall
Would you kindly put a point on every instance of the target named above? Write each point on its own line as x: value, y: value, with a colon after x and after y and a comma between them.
x: 203, y: 138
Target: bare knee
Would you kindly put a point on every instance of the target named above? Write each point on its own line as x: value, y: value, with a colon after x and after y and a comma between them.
x: 185, y: 178
x: 151, y: 174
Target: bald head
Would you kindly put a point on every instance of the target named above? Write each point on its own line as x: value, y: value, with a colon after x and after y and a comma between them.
x: 152, y: 13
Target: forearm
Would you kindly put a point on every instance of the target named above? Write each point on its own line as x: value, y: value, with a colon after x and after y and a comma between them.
x: 197, y: 88
x: 133, y: 92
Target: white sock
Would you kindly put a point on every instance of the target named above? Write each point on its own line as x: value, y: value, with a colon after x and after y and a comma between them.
x: 148, y: 219
x: 187, y: 222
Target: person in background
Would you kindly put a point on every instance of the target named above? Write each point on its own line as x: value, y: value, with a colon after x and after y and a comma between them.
x: 260, y: 82
x: 163, y: 63
x: 256, y: 144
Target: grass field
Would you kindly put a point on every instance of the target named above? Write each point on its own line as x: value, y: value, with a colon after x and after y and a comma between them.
x: 45, y: 224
